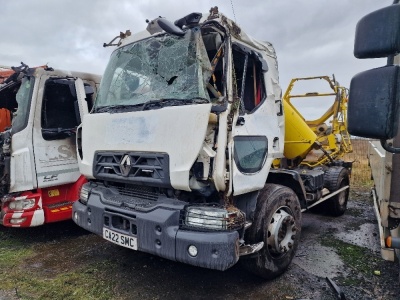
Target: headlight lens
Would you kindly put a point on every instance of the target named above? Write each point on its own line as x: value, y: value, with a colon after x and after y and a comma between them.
x: 206, y: 217
x: 17, y: 221
x: 84, y: 194
x: 21, y: 204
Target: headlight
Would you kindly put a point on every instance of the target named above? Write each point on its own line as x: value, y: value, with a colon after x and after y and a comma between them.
x: 206, y: 217
x: 21, y: 204
x: 17, y: 221
x: 84, y: 194
x: 213, y: 218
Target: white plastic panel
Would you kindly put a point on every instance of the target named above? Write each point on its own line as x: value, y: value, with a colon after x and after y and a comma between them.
x: 21, y: 171
x: 178, y: 131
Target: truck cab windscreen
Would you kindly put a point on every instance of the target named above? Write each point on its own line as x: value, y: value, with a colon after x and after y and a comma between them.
x: 159, y: 68
x: 23, y: 97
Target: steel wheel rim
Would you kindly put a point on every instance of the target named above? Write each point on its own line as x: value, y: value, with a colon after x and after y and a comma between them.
x: 281, y: 232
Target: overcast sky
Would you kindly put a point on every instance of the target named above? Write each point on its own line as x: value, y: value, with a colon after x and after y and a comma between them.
x: 311, y: 37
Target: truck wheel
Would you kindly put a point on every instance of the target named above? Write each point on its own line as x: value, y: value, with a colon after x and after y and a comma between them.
x: 277, y: 222
x: 335, y: 179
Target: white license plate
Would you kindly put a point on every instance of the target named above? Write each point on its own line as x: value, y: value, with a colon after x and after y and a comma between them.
x: 120, y: 239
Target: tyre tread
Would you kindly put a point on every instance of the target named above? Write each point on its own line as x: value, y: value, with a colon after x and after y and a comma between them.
x: 334, y: 177
x: 270, y: 196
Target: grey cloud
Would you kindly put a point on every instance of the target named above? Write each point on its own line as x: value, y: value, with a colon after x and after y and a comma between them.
x: 312, y: 37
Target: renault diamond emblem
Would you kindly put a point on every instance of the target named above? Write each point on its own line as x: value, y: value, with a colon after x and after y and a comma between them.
x: 125, y: 165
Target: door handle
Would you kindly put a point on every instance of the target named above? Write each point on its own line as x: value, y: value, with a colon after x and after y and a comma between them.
x: 280, y: 113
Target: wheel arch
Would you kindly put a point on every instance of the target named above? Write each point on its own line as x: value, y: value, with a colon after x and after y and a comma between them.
x: 277, y: 223
x: 290, y: 179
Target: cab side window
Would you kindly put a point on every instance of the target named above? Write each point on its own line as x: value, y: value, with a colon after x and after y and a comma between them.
x: 249, y: 79
x: 58, y: 109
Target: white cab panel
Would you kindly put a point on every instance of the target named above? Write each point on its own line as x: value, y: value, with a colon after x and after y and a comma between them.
x: 178, y: 131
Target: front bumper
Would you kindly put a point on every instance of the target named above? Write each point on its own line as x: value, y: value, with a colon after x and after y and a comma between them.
x: 23, y: 219
x: 42, y: 211
x: 157, y: 229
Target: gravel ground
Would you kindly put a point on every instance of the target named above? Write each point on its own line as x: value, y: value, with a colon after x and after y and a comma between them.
x: 345, y: 249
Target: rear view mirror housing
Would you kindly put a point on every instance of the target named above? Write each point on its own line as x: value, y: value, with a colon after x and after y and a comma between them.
x: 378, y: 33
x: 373, y: 108
x: 170, y: 27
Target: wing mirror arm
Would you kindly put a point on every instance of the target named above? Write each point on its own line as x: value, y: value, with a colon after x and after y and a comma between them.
x: 389, y: 147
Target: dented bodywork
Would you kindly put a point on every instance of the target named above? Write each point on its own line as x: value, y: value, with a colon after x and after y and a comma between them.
x: 179, y: 147
x: 169, y: 108
x: 39, y: 171
x: 173, y: 73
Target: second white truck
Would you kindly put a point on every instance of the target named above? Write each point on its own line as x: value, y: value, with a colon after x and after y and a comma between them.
x: 39, y: 175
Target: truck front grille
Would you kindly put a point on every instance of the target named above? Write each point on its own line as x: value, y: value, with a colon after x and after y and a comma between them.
x: 130, y: 167
x: 141, y: 192
x: 133, y: 197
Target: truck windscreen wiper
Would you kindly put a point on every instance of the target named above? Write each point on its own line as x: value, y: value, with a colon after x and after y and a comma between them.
x: 155, y: 104
x: 118, y: 108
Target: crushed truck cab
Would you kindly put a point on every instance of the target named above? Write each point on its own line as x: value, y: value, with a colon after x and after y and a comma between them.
x: 40, y: 178
x: 179, y: 150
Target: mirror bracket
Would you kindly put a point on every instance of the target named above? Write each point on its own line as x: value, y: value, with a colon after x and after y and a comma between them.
x: 389, y: 147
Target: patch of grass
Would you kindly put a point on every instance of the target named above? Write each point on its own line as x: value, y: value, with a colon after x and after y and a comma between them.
x: 361, y: 172
x: 357, y: 258
x: 88, y: 281
x: 78, y: 284
x: 11, y: 252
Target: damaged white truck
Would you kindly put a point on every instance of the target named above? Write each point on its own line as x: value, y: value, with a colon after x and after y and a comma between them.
x: 184, y: 150
x: 39, y: 171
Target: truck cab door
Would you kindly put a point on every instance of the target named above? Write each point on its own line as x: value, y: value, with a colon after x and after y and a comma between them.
x: 58, y: 112
x: 259, y: 131
x: 82, y: 105
x: 19, y: 97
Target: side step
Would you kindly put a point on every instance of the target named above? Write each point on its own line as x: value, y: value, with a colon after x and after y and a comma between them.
x: 326, y: 198
x: 250, y: 249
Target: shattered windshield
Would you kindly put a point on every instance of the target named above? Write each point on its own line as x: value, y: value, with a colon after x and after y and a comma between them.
x: 157, y: 68
x: 23, y: 97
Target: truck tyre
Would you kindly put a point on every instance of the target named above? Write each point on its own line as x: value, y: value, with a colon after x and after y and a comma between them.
x: 277, y: 223
x: 335, y: 179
